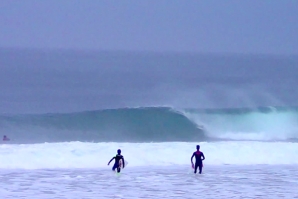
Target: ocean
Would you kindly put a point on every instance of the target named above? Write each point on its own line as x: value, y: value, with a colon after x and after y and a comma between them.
x: 67, y: 112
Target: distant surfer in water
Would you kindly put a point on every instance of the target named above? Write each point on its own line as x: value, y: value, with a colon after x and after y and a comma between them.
x: 119, y: 161
x: 5, y: 138
x: 199, y: 160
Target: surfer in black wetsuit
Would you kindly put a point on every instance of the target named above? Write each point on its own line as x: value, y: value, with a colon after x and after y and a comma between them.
x: 5, y: 138
x: 199, y: 160
x: 118, y: 164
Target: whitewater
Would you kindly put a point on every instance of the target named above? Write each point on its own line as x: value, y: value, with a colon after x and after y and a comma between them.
x: 67, y: 113
x: 249, y: 169
x: 79, y: 155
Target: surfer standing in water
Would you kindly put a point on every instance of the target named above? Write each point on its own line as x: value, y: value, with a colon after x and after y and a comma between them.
x: 5, y: 138
x: 119, y: 161
x: 199, y: 160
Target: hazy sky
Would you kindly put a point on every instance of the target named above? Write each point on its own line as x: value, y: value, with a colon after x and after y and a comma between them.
x: 244, y: 26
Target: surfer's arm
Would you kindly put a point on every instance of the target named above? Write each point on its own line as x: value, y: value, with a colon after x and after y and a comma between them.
x: 203, y: 156
x: 123, y: 162
x: 111, y: 160
x: 192, y: 158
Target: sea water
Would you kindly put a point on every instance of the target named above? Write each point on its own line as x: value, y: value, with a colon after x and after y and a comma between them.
x: 67, y: 112
x: 263, y: 181
x: 79, y: 170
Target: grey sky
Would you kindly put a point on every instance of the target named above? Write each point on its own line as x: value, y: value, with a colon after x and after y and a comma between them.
x: 244, y: 26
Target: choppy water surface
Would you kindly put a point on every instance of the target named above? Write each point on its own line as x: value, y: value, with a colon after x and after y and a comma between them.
x: 152, y: 182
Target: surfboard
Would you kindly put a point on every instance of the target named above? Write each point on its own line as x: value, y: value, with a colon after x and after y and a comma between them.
x: 193, y: 166
x: 121, y: 165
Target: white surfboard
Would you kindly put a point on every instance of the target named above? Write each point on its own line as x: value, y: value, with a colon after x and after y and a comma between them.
x: 121, y: 165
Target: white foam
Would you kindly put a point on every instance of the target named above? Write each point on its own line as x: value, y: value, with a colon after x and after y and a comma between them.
x: 251, y: 126
x: 95, y: 155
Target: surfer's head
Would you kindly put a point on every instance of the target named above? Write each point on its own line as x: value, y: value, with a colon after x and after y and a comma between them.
x: 119, y: 151
x: 198, y: 147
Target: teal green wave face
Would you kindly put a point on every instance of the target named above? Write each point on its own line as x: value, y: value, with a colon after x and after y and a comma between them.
x: 155, y: 124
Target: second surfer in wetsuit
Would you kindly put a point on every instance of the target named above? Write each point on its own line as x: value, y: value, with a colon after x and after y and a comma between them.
x: 199, y: 160
x: 117, y: 164
x: 5, y: 138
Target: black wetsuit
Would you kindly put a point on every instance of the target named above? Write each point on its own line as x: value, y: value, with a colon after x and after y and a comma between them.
x: 117, y: 164
x: 199, y: 162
